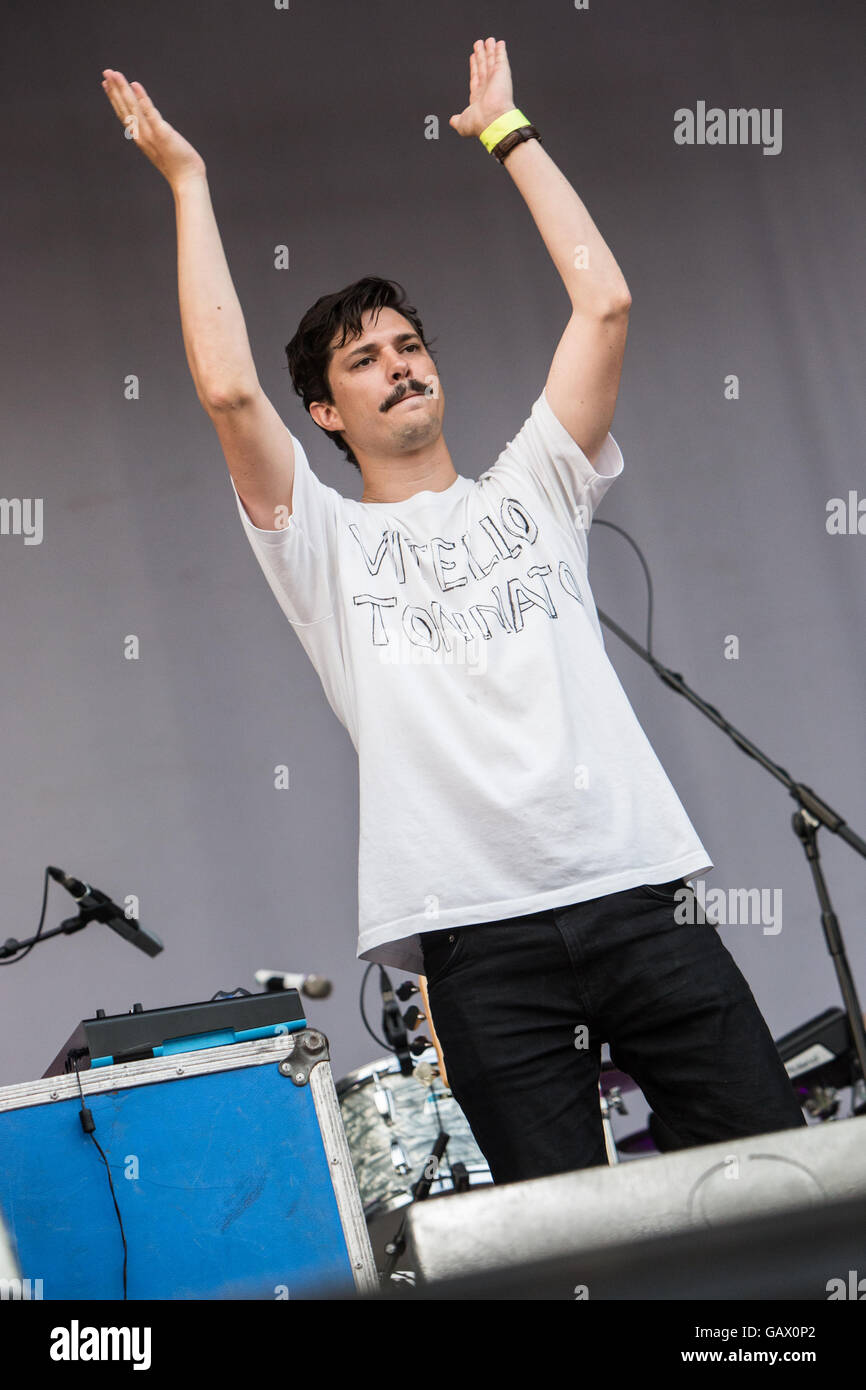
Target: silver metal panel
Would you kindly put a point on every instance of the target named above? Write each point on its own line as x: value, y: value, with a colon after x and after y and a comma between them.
x: 8, y: 1263
x: 343, y: 1177
x: 146, y: 1072
x: 496, y: 1228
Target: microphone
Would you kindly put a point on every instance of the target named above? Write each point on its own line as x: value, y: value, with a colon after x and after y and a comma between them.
x: 102, y: 909
x: 392, y: 1021
x: 314, y: 986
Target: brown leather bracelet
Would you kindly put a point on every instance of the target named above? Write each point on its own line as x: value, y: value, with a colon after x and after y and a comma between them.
x: 506, y: 145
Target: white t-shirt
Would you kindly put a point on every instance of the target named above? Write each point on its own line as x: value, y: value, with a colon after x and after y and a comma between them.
x: 502, y: 770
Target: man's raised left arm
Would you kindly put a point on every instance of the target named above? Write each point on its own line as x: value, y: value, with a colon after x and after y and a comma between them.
x: 583, y: 381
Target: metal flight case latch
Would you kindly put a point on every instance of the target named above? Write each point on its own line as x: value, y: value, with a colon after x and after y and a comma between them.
x: 308, y: 1048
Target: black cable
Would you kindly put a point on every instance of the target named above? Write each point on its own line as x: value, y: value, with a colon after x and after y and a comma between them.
x: 15, y: 959
x: 88, y: 1124
x: 387, y: 1046
x: 639, y: 552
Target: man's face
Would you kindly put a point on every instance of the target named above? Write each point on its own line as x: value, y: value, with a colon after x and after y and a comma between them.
x: 387, y: 396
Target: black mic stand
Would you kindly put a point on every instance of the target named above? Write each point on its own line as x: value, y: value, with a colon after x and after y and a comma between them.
x: 420, y: 1192
x: 86, y: 915
x: 812, y: 813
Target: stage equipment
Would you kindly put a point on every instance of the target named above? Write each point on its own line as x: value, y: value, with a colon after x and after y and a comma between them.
x: 392, y: 1123
x: 142, y: 1033
x: 228, y: 1165
x: 571, y: 1216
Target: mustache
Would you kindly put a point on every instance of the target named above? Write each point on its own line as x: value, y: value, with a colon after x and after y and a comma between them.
x: 413, y: 388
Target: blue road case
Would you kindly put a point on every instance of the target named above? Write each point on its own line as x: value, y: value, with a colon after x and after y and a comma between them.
x: 230, y: 1168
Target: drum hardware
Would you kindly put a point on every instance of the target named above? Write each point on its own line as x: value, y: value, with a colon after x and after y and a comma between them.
x: 822, y: 1102
x: 610, y: 1100
x: 612, y: 1083
x: 420, y: 1192
x: 399, y: 1159
x: 383, y: 1098
x: 428, y: 1072
x: 459, y: 1177
x: 392, y: 1124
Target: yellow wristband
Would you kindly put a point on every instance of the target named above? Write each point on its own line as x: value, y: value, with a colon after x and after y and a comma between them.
x: 502, y: 126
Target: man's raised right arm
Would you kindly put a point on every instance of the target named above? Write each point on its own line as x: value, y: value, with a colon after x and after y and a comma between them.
x: 256, y: 443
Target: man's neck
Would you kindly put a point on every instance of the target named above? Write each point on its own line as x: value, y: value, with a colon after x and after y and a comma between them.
x: 399, y: 478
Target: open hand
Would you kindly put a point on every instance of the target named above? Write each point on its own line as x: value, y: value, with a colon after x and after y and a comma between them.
x: 490, y: 92
x: 164, y: 146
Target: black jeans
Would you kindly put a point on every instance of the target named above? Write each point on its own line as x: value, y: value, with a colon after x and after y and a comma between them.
x: 521, y: 1007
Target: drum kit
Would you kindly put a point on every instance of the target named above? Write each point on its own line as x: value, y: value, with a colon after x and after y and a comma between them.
x: 393, y: 1121
x: 392, y: 1124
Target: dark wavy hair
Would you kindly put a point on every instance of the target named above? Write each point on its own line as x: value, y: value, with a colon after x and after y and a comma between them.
x: 309, y: 353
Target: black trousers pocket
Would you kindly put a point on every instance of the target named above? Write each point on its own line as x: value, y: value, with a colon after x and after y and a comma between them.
x: 442, y: 950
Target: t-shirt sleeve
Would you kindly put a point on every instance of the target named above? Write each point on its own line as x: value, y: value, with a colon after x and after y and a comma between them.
x: 544, y: 453
x: 299, y: 559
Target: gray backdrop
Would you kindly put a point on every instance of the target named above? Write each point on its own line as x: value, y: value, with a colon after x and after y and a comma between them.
x: 155, y: 777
